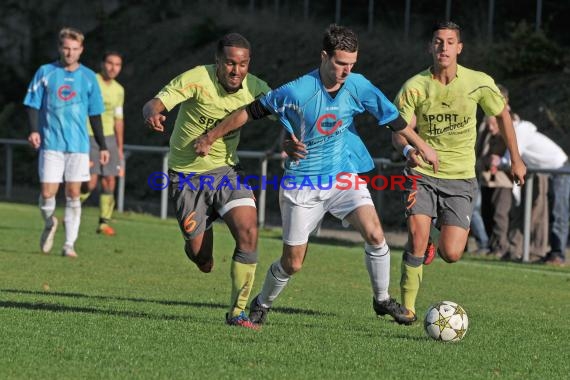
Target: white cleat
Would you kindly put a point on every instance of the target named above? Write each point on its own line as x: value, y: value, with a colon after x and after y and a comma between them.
x: 46, y: 241
x: 68, y: 251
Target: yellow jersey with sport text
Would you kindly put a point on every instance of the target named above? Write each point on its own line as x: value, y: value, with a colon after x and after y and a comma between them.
x: 203, y: 104
x: 446, y: 116
x: 113, y: 99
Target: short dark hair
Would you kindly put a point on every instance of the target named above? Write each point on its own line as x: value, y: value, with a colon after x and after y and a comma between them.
x: 339, y: 38
x: 233, y: 40
x: 109, y: 53
x: 447, y: 25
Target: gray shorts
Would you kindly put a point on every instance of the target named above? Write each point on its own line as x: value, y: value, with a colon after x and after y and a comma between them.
x: 199, y: 199
x: 451, y: 201
x: 113, y: 166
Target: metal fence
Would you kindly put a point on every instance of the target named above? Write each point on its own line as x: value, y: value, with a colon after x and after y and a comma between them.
x: 382, y: 164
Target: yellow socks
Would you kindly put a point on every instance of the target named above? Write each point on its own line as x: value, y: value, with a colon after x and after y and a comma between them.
x: 412, y: 272
x: 83, y: 196
x: 243, y: 276
x: 106, y: 206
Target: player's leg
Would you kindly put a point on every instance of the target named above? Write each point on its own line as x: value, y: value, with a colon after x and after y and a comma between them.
x: 276, y: 279
x: 107, y: 197
x: 413, y: 259
x: 51, y: 166
x: 72, y: 217
x: 76, y: 172
x: 451, y: 241
x: 94, y: 169
x: 455, y: 205
x: 106, y: 205
x: 377, y: 261
x: 420, y: 201
x: 242, y: 223
x: 199, y: 249
x: 47, y: 207
x: 195, y: 215
x: 298, y: 222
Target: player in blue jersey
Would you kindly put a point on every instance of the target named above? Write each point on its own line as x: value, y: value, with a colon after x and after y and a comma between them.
x: 60, y: 98
x: 317, y: 109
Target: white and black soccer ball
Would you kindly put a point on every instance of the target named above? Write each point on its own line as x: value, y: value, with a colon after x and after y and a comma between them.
x: 446, y: 321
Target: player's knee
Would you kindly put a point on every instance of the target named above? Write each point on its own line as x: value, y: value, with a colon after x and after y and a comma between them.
x: 293, y: 266
x: 248, y: 238
x: 450, y: 255
x: 374, y: 237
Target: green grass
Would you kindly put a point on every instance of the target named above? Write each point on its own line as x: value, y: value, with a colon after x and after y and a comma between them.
x: 133, y: 306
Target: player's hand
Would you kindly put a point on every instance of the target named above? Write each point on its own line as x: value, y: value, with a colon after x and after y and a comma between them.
x: 104, y: 157
x: 429, y: 155
x: 155, y: 121
x: 518, y: 172
x: 202, y: 145
x: 35, y: 140
x: 295, y: 149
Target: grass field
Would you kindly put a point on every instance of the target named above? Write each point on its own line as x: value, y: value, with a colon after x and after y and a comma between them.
x: 133, y: 306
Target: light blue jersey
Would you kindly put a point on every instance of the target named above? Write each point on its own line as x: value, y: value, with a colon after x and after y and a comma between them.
x: 325, y: 124
x: 64, y: 99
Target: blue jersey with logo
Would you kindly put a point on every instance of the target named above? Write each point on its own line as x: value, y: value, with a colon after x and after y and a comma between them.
x: 65, y: 99
x: 325, y: 124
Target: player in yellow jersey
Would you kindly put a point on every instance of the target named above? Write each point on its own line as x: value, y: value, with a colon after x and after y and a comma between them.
x: 113, y: 126
x: 205, y: 188
x: 443, y: 99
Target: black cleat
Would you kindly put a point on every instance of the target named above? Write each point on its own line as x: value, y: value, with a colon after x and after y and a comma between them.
x: 399, y: 312
x: 257, y: 313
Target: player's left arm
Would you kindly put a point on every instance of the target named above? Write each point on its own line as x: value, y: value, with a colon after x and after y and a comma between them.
x: 518, y: 168
x: 97, y: 127
x: 119, y: 135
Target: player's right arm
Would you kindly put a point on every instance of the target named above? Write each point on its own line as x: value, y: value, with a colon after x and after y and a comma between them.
x: 153, y: 118
x: 234, y: 121
x: 253, y: 111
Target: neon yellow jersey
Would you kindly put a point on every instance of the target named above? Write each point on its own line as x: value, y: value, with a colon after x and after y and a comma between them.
x: 446, y: 116
x: 203, y: 104
x: 113, y: 99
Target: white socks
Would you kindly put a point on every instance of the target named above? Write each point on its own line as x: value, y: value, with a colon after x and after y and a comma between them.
x: 72, y: 220
x: 47, y: 208
x: 275, y: 281
x: 377, y: 260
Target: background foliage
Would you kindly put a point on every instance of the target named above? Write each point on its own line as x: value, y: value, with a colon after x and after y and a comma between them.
x: 161, y: 39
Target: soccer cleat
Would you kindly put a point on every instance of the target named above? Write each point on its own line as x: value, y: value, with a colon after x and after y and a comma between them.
x: 400, y: 314
x: 68, y: 251
x: 242, y: 320
x: 46, y: 240
x: 105, y: 229
x: 429, y: 255
x: 257, y: 313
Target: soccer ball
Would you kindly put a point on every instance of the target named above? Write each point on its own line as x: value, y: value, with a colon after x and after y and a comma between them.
x: 446, y: 321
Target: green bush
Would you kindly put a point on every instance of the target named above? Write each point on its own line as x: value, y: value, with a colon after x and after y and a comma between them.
x: 527, y: 51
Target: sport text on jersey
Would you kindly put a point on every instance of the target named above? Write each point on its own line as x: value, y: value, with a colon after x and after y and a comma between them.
x: 445, y: 123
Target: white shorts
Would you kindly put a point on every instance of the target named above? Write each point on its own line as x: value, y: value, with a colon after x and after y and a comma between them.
x: 53, y: 165
x: 303, y: 209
